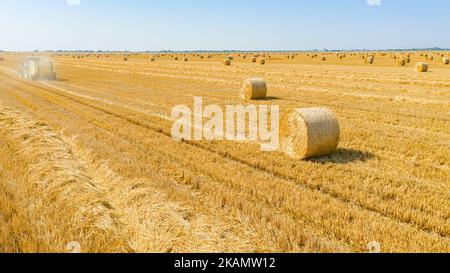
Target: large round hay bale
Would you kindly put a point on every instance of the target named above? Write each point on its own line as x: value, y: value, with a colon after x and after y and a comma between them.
x: 309, y: 132
x: 262, y: 61
x: 422, y: 67
x: 370, y: 59
x: 227, y: 61
x: 254, y: 89
x: 254, y: 60
x: 401, y: 62
x: 446, y: 60
x: 185, y: 59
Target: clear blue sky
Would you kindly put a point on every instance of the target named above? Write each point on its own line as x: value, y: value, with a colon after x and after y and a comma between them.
x: 223, y: 24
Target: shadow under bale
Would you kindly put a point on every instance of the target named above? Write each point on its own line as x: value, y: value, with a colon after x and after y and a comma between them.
x: 269, y: 98
x: 343, y: 156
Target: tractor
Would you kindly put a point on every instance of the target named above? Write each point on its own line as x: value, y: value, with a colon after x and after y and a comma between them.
x: 37, y: 69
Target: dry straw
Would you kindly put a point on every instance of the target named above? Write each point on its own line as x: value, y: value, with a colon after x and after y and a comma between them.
x: 59, y: 189
x: 254, y: 89
x: 227, y: 62
x: 309, y: 132
x: 262, y: 61
x: 422, y: 67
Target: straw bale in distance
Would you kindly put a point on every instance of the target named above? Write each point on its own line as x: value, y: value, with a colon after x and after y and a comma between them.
x: 370, y: 59
x: 422, y: 67
x: 446, y: 60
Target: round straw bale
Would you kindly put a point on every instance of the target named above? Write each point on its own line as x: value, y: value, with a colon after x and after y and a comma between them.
x: 309, y: 132
x: 401, y: 62
x: 254, y: 60
x: 262, y: 61
x: 254, y: 89
x: 446, y: 60
x: 422, y: 67
x: 370, y: 59
x: 227, y: 62
x: 185, y: 59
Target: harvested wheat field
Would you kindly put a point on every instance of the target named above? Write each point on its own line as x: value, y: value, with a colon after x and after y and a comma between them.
x: 89, y: 157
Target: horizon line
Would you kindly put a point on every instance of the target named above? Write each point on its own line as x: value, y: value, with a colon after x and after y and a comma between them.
x: 227, y: 50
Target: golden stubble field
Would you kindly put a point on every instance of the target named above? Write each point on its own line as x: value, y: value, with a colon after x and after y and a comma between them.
x: 89, y: 158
